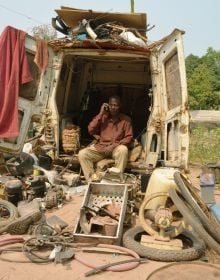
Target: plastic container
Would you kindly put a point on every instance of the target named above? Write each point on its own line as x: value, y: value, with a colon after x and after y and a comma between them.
x: 207, y: 184
x: 161, y: 180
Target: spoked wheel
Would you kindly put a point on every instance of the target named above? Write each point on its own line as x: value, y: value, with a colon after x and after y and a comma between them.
x: 174, y: 228
x: 8, y: 212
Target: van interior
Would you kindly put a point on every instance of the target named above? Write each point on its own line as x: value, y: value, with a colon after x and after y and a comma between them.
x: 86, y: 82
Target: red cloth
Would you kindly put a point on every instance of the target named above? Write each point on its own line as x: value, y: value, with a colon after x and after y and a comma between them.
x: 111, y: 133
x: 41, y: 56
x: 14, y: 70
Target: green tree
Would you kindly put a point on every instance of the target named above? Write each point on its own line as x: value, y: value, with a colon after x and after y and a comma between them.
x: 203, y: 78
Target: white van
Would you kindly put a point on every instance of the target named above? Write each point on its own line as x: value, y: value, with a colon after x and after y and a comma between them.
x: 79, y: 78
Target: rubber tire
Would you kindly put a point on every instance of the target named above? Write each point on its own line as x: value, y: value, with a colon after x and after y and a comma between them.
x: 189, y: 254
x: 213, y: 229
x: 192, y: 220
x: 12, y: 209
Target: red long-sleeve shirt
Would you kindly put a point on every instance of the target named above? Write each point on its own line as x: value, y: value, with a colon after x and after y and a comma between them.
x: 111, y: 133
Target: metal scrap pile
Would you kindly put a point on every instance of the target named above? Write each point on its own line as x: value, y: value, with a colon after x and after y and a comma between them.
x: 85, y: 28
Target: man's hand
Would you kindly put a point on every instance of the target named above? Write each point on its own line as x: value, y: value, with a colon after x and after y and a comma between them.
x: 109, y: 149
x: 104, y: 108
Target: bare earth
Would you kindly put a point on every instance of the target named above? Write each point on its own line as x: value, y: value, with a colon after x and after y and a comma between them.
x: 75, y: 270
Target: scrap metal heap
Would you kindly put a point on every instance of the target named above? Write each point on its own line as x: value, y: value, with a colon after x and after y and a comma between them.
x: 92, y: 29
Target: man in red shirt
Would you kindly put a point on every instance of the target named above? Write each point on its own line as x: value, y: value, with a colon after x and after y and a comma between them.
x: 115, y: 132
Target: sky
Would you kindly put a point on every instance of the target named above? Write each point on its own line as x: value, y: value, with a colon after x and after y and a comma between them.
x: 200, y: 19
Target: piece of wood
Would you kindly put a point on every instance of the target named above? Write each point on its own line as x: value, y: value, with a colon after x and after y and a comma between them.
x: 150, y: 241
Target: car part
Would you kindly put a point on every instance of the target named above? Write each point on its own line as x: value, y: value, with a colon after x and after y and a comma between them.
x: 62, y: 27
x: 172, y: 232
x: 36, y: 187
x: 14, y: 190
x: 194, y: 247
x: 193, y: 221
x: 51, y: 199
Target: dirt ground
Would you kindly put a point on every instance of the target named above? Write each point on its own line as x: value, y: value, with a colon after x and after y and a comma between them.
x: 75, y: 270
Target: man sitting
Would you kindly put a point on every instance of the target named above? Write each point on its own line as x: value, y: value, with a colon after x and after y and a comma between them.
x: 116, y: 133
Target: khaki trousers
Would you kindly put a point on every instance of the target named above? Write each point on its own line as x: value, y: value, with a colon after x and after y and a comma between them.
x: 89, y: 156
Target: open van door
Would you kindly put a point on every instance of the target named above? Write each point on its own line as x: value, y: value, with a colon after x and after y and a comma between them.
x: 33, y: 97
x: 175, y: 112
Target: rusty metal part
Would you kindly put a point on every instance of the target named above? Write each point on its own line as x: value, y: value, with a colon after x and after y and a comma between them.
x: 84, y: 224
x: 108, y: 213
x: 51, y: 199
x: 99, y: 195
x: 106, y: 225
x: 171, y: 233
x: 163, y: 219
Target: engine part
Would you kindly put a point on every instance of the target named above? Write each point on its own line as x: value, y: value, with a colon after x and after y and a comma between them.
x: 37, y: 187
x: 51, y: 199
x: 22, y: 165
x: 163, y: 219
x: 174, y: 231
x: 14, y: 190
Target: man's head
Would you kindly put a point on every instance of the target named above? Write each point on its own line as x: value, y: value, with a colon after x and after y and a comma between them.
x: 114, y: 105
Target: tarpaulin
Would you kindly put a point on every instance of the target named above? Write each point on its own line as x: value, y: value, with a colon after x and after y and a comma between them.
x: 14, y: 70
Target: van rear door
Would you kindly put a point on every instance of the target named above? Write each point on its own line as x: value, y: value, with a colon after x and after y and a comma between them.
x: 32, y: 100
x: 175, y: 112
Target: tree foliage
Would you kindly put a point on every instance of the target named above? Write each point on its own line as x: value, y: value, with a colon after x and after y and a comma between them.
x: 203, y: 78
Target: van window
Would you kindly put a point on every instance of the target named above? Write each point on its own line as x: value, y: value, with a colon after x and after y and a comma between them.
x: 29, y: 90
x: 174, y: 94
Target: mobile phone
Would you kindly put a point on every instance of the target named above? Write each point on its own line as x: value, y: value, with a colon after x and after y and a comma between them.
x: 106, y: 108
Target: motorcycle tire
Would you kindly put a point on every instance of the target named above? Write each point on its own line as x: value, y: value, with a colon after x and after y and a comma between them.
x: 212, y: 228
x: 192, y: 220
x: 12, y: 212
x: 195, y: 251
